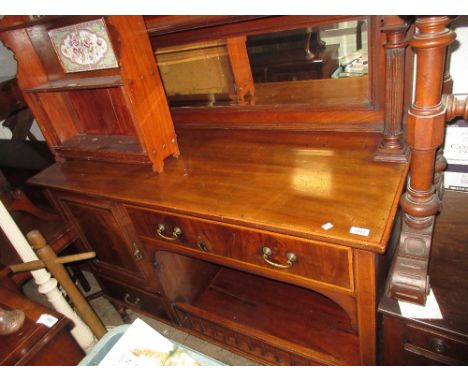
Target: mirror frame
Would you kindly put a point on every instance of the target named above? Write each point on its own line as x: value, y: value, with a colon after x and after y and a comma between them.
x: 167, y: 31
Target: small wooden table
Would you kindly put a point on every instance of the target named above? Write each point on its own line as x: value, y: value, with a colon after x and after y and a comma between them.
x: 36, y: 344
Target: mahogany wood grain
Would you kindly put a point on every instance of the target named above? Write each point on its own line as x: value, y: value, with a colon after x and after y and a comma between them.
x: 200, y: 30
x: 84, y: 83
x: 425, y: 133
x: 104, y: 228
x: 193, y: 276
x: 250, y: 342
x: 113, y: 117
x: 239, y: 59
x: 288, y: 117
x: 345, y: 299
x: 128, y: 100
x: 30, y: 73
x: 289, y: 183
x: 269, y: 308
x: 330, y: 266
x: 140, y: 75
x: 426, y: 121
x: 393, y: 147
x: 366, y: 285
x: 164, y: 24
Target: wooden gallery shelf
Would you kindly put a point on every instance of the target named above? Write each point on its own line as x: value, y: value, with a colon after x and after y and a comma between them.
x: 113, y: 119
x: 117, y: 114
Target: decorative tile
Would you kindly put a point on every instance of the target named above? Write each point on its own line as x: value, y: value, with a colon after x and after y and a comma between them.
x: 84, y: 46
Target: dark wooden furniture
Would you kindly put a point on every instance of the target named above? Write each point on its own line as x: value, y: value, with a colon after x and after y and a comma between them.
x: 36, y: 344
x: 408, y: 341
x: 231, y: 241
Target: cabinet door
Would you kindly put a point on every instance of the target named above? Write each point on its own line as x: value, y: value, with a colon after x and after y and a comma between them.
x: 106, y: 229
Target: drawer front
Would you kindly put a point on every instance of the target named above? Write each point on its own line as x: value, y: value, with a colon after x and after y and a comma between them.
x: 134, y: 298
x: 324, y: 263
x: 438, y: 346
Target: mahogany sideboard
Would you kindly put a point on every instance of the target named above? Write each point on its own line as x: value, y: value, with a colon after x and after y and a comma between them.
x: 268, y: 233
x: 228, y: 241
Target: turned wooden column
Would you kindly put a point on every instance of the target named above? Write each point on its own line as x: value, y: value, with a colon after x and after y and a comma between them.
x: 408, y: 277
x: 426, y: 119
x: 393, y: 148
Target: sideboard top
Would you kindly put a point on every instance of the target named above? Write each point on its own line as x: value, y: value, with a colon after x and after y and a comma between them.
x: 287, y: 182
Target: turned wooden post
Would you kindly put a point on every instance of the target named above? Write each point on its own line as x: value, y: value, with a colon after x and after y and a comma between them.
x: 408, y: 277
x: 393, y: 148
x: 426, y: 119
x: 54, y: 265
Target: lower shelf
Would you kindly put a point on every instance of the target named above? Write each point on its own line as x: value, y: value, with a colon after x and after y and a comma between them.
x: 272, y: 322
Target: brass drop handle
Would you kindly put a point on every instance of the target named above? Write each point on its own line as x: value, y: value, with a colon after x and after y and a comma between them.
x: 176, y: 232
x: 438, y: 345
x: 135, y: 302
x: 290, y: 256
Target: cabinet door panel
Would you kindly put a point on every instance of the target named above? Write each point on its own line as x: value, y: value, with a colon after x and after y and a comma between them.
x: 105, y: 229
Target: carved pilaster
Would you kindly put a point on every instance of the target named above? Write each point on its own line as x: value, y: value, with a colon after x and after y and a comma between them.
x: 425, y: 133
x: 393, y: 148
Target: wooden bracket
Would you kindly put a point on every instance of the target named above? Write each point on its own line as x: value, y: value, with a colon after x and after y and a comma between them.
x: 408, y: 279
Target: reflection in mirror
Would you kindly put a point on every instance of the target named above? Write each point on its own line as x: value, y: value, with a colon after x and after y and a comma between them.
x: 325, y: 65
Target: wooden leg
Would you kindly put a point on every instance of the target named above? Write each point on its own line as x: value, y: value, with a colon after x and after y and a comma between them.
x: 366, y: 298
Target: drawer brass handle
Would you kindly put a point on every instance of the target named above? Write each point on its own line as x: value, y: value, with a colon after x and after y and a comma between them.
x: 291, y: 256
x: 176, y: 232
x: 135, y: 302
x: 438, y: 345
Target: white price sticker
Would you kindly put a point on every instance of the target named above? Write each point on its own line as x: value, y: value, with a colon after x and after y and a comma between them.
x: 327, y: 226
x: 359, y: 231
x: 47, y: 320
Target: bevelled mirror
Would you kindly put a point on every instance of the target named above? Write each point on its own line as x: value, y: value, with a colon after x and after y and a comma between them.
x: 316, y: 65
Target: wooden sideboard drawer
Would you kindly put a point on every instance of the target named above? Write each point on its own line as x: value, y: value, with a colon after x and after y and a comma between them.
x: 134, y: 298
x: 327, y: 264
x: 437, y: 345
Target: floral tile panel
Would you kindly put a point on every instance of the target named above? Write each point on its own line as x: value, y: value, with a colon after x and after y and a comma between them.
x: 83, y: 47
